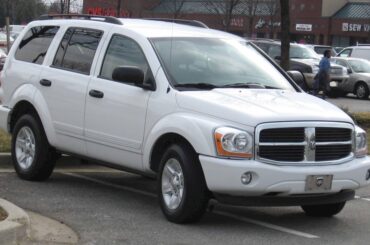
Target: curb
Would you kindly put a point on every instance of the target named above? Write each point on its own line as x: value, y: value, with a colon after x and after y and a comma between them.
x: 5, y: 158
x: 14, y: 228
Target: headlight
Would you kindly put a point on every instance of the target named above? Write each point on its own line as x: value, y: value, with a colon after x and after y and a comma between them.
x: 361, y: 142
x: 345, y: 71
x: 315, y: 69
x: 231, y: 142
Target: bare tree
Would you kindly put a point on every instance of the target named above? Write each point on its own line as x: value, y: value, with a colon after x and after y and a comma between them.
x: 273, y: 8
x: 285, y: 33
x: 225, y: 9
x: 175, y: 7
x: 250, y: 10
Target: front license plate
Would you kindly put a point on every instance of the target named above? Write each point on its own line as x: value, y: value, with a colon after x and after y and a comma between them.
x: 318, y: 182
x: 333, y: 84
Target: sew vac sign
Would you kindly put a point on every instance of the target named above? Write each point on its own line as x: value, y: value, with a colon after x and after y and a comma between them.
x: 355, y: 27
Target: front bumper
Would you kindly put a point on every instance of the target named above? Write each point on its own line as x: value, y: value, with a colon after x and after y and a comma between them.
x: 223, y: 176
x: 4, y: 115
x: 338, y: 79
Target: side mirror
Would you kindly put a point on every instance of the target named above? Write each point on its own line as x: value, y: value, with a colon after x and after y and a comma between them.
x: 298, y: 79
x: 349, y: 70
x: 133, y: 75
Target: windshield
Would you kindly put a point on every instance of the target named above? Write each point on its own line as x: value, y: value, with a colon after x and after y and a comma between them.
x: 296, y: 52
x: 360, y: 66
x: 210, y: 63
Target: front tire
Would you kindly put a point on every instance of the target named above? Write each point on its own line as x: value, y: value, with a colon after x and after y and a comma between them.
x: 324, y: 210
x: 362, y: 91
x: 182, y: 190
x: 32, y: 156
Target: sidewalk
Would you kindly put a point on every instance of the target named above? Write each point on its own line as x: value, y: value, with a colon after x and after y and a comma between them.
x: 28, y: 228
x: 21, y: 227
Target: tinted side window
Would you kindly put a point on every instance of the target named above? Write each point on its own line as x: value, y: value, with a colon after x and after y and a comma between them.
x: 35, y: 44
x: 77, y: 50
x: 123, y: 51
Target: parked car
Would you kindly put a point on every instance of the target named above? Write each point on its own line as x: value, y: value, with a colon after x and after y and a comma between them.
x: 2, y: 58
x: 320, y: 49
x: 359, y: 76
x: 205, y: 112
x: 362, y: 52
x: 306, y: 61
x: 338, y: 49
x: 3, y: 41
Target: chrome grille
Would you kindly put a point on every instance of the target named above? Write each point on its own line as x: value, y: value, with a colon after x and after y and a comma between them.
x: 303, y: 143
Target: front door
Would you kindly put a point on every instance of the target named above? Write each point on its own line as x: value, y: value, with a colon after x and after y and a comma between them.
x: 116, y: 111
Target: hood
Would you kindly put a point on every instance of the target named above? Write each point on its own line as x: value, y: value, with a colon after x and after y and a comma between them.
x: 364, y: 75
x: 254, y: 106
x: 309, y: 62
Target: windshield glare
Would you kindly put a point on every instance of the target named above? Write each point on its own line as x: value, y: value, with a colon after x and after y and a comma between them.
x: 217, y: 62
x: 360, y: 66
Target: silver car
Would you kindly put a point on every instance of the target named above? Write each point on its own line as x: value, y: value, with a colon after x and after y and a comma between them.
x: 359, y: 76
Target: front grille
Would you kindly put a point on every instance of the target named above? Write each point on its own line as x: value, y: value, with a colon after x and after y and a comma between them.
x: 307, y: 143
x: 282, y: 135
x: 283, y: 153
x: 333, y: 134
x: 332, y: 152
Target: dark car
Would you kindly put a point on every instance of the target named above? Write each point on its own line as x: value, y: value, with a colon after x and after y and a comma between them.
x: 359, y: 76
x: 306, y: 61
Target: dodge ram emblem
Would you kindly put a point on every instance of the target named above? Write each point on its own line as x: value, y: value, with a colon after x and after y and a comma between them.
x: 312, y: 144
x: 319, y: 181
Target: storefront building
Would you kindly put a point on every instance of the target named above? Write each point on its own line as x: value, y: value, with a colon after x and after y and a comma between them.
x: 337, y: 23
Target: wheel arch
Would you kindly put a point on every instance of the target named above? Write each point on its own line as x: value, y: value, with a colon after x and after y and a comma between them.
x: 35, y: 105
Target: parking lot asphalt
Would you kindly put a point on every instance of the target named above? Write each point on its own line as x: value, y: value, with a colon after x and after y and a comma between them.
x: 105, y: 206
x: 351, y: 103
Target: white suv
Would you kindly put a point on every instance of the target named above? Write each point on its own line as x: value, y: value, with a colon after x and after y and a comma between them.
x: 205, y: 111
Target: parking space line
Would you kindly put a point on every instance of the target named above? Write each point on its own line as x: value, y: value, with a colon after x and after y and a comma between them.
x: 266, y: 225
x: 362, y: 198
x: 125, y: 188
x: 220, y: 213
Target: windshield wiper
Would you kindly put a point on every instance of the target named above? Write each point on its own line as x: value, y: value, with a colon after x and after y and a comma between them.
x: 196, y: 85
x: 244, y: 85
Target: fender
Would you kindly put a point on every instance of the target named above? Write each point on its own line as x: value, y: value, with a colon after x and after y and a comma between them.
x: 195, y: 128
x: 31, y: 94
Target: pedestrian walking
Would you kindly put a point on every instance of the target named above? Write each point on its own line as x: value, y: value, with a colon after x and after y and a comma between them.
x: 322, y: 78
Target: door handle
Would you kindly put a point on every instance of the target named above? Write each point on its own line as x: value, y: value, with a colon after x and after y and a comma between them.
x: 45, y: 82
x: 96, y: 94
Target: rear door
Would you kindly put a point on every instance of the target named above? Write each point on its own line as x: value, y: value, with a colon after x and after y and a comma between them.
x: 64, y: 82
x: 28, y: 58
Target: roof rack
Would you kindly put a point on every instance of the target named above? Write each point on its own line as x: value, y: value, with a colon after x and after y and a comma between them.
x: 195, y: 23
x: 107, y: 19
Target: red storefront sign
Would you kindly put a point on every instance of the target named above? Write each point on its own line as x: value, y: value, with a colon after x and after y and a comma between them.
x: 108, y: 12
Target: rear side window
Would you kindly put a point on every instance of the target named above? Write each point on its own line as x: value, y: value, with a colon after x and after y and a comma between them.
x: 35, y: 44
x: 77, y: 50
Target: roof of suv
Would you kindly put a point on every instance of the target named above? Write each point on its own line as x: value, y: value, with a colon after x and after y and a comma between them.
x: 147, y: 28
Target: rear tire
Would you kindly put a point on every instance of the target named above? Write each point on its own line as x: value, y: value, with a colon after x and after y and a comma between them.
x: 323, y: 210
x: 182, y: 190
x: 32, y: 156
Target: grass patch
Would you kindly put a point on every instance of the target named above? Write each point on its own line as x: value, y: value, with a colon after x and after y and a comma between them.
x: 362, y: 118
x: 4, y: 141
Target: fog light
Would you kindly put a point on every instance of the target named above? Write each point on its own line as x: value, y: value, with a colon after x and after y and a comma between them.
x: 246, y: 178
x: 367, y: 175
